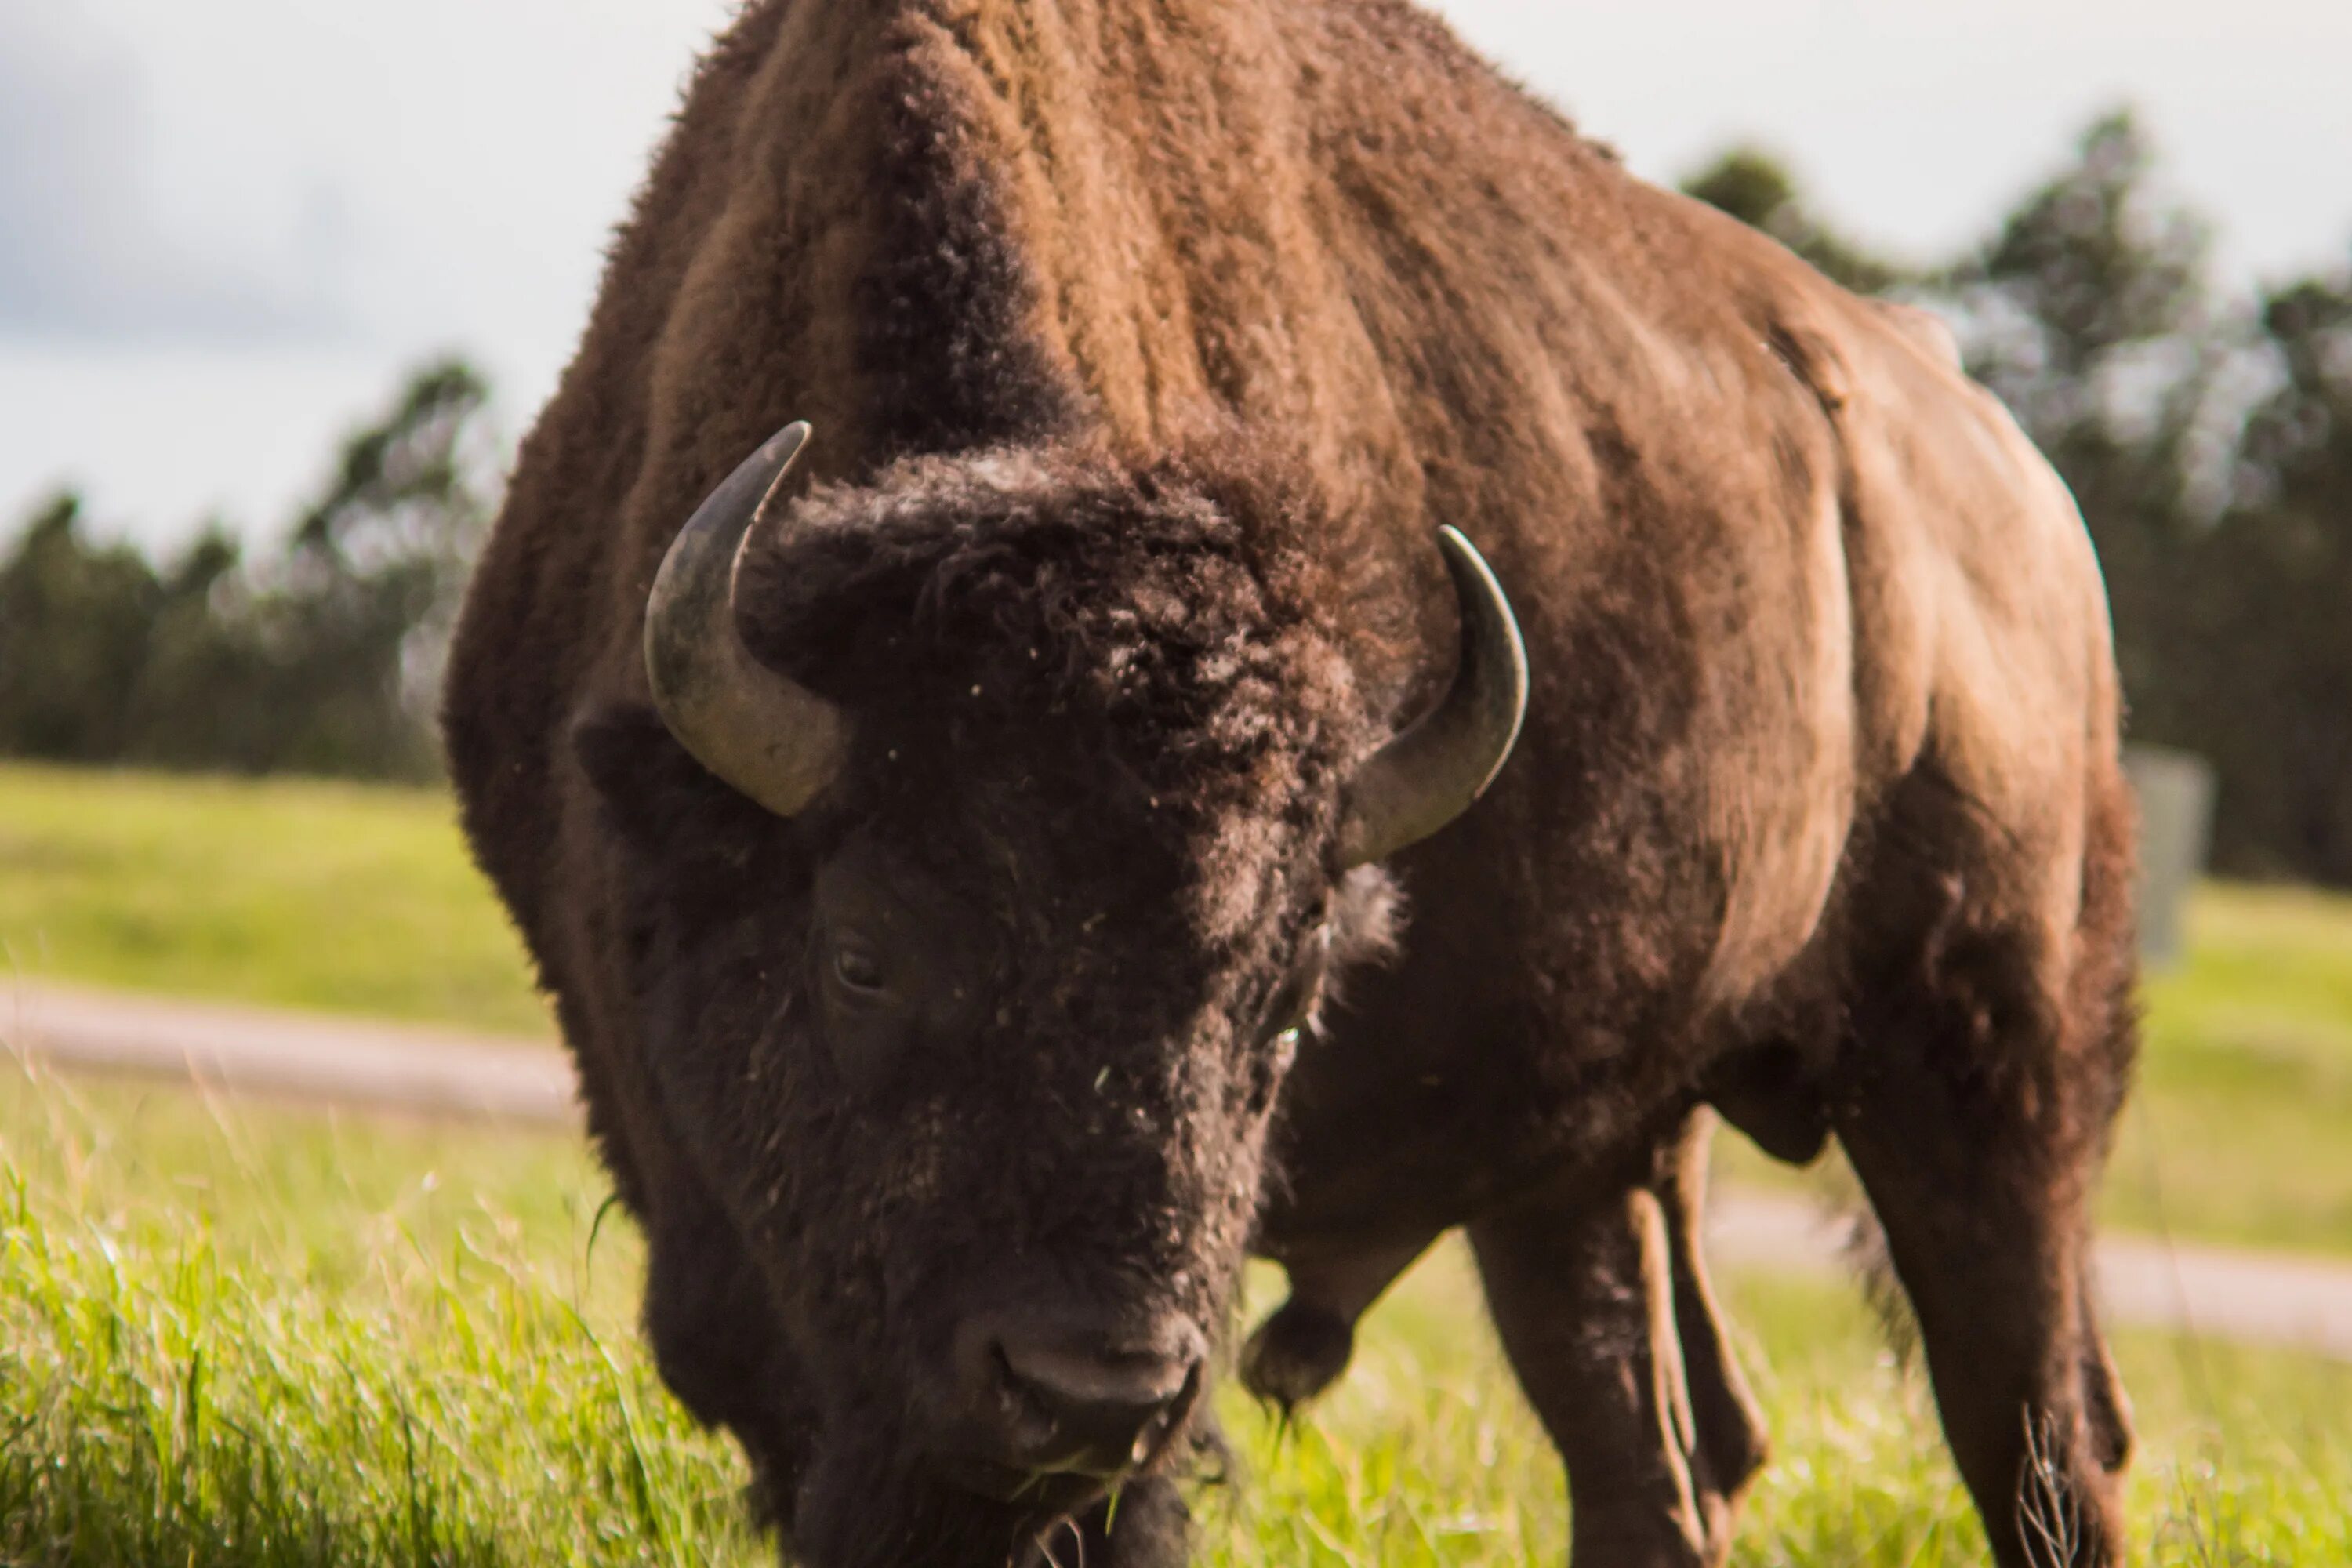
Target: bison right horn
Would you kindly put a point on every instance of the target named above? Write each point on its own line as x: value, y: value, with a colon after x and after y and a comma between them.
x: 776, y: 741
x: 1428, y: 775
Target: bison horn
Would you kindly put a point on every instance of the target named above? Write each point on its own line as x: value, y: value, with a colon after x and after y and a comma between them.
x: 774, y: 740
x: 1429, y: 774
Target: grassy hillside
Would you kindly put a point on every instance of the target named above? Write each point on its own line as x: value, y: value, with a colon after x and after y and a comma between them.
x: 361, y: 899
x: 232, y: 1338
x: 343, y: 898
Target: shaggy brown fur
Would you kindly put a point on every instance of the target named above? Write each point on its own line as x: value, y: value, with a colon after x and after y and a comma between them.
x: 1146, y: 346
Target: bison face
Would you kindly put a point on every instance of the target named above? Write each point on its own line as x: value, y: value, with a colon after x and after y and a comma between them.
x: 976, y: 1073
x: 1058, y: 1087
x: 967, y: 954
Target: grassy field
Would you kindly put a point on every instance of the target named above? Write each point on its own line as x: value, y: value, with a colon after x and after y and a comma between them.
x: 361, y: 899
x: 233, y: 1337
x: 340, y: 897
x: 2245, y: 1123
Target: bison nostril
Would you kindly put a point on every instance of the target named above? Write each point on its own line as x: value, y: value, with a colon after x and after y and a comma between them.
x: 1105, y: 1411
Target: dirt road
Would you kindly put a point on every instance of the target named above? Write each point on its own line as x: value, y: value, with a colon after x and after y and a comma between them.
x: 2295, y: 1301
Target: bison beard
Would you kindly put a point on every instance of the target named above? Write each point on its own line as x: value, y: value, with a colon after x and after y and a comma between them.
x: 908, y: 1519
x: 864, y: 1506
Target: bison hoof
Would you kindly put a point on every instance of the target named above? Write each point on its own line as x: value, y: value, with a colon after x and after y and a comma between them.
x: 1296, y: 1354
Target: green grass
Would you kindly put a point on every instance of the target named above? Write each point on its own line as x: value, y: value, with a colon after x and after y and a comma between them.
x: 361, y: 899
x: 246, y: 1338
x: 2244, y: 1127
x: 344, y: 897
x: 232, y: 1336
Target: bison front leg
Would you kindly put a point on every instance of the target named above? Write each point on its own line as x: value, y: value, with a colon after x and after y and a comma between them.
x: 1637, y: 1389
x: 1302, y: 1349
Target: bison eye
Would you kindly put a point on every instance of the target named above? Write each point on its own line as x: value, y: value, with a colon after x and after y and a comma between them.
x: 857, y: 971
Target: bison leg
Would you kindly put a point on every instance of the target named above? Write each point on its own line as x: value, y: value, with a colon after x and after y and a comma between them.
x: 1995, y: 1274
x: 1304, y: 1347
x: 1731, y: 1437
x: 1582, y: 1291
x: 1977, y: 1112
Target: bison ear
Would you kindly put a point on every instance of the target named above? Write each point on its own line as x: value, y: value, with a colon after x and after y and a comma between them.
x: 647, y: 782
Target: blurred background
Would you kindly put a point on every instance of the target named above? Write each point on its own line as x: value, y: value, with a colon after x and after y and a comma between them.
x: 280, y: 286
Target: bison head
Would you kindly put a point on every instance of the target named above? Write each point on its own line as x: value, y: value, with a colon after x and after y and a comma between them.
x: 1030, y: 802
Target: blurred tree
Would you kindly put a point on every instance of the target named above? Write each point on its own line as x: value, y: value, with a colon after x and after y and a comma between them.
x: 323, y: 657
x: 1756, y: 188
x: 2264, y: 666
x: 2090, y: 313
x: 73, y: 634
x: 358, y: 618
x: 2091, y: 274
x: 200, y: 700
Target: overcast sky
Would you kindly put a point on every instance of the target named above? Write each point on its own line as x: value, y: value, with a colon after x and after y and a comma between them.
x: 225, y: 227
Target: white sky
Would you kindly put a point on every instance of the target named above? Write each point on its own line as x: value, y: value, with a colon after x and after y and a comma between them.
x: 225, y: 227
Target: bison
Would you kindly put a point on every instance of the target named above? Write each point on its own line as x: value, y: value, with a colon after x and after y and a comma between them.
x: 998, y: 877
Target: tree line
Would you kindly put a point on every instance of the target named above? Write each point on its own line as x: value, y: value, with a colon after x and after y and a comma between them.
x: 2207, y: 436
x: 321, y: 655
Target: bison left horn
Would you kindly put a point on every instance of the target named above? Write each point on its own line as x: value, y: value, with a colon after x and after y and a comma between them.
x: 774, y: 740
x: 1429, y: 774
